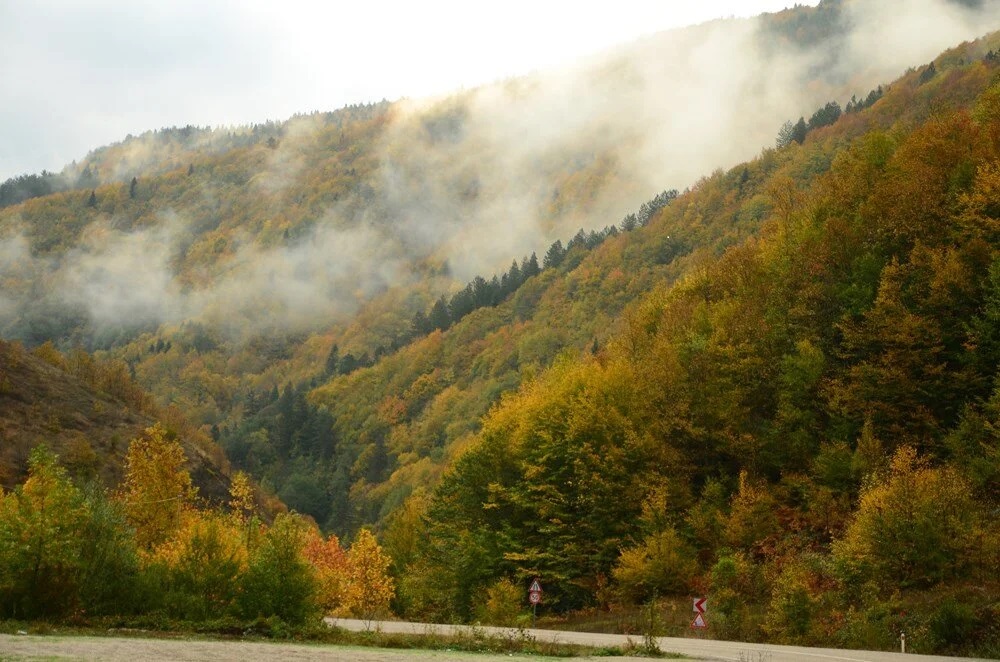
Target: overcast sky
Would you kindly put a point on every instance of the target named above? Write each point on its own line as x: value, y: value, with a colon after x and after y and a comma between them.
x: 78, y: 74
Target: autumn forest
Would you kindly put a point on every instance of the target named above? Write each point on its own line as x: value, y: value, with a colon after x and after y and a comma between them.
x: 288, y: 370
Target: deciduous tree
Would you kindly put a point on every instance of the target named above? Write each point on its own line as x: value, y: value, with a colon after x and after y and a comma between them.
x: 157, y: 488
x: 369, y: 588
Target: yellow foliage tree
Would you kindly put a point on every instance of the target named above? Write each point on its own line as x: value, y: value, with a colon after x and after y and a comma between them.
x: 369, y: 586
x: 662, y: 564
x: 243, y: 507
x: 503, y: 605
x: 753, y: 522
x: 157, y: 489
x: 917, y: 527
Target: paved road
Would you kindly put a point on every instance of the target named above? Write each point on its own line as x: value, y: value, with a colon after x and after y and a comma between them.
x: 705, y: 649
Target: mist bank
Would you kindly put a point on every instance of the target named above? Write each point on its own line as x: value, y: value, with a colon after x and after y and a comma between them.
x: 441, y: 190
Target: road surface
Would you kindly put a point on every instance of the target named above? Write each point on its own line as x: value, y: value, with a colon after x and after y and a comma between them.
x: 704, y: 649
x: 131, y: 649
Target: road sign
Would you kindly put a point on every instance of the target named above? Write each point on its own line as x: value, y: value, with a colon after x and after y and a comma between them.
x: 699, y: 622
x: 535, y: 586
x: 700, y: 606
x: 534, y: 597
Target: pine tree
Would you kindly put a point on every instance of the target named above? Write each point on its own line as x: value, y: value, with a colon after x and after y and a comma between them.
x: 514, y: 277
x: 530, y: 268
x: 554, y: 256
x: 800, y: 130
x: 439, y: 317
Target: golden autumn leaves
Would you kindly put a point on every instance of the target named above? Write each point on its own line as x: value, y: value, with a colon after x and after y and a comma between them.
x: 168, y: 554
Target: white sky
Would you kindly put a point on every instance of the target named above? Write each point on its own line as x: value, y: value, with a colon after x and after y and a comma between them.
x: 78, y: 74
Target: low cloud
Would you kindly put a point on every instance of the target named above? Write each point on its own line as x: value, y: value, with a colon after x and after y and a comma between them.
x: 478, y: 178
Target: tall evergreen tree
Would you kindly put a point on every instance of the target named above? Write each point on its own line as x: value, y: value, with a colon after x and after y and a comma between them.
x: 800, y: 130
x: 439, y: 317
x: 530, y: 268
x: 554, y: 256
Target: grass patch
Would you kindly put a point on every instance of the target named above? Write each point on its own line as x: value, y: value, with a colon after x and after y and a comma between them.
x: 473, y: 640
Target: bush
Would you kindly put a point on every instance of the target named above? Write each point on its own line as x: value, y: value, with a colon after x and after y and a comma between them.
x: 952, y: 625
x: 792, y: 606
x: 662, y: 565
x: 503, y: 604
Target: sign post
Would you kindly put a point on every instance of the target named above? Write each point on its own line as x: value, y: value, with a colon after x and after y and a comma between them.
x: 534, y: 597
x: 700, y: 607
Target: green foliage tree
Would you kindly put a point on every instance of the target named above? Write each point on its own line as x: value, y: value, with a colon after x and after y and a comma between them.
x: 42, y: 523
x: 112, y: 581
x: 786, y: 134
x: 278, y: 581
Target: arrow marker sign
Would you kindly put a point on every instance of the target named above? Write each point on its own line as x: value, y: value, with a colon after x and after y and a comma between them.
x: 700, y: 606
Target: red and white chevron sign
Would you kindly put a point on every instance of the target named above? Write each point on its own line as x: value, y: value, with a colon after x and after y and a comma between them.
x: 700, y: 605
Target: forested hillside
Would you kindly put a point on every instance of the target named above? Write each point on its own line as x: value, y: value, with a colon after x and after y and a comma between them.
x: 806, y: 427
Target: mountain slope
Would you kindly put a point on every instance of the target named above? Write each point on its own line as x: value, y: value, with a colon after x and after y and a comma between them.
x: 87, y: 413
x: 231, y: 267
x: 806, y: 426
x: 227, y: 271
